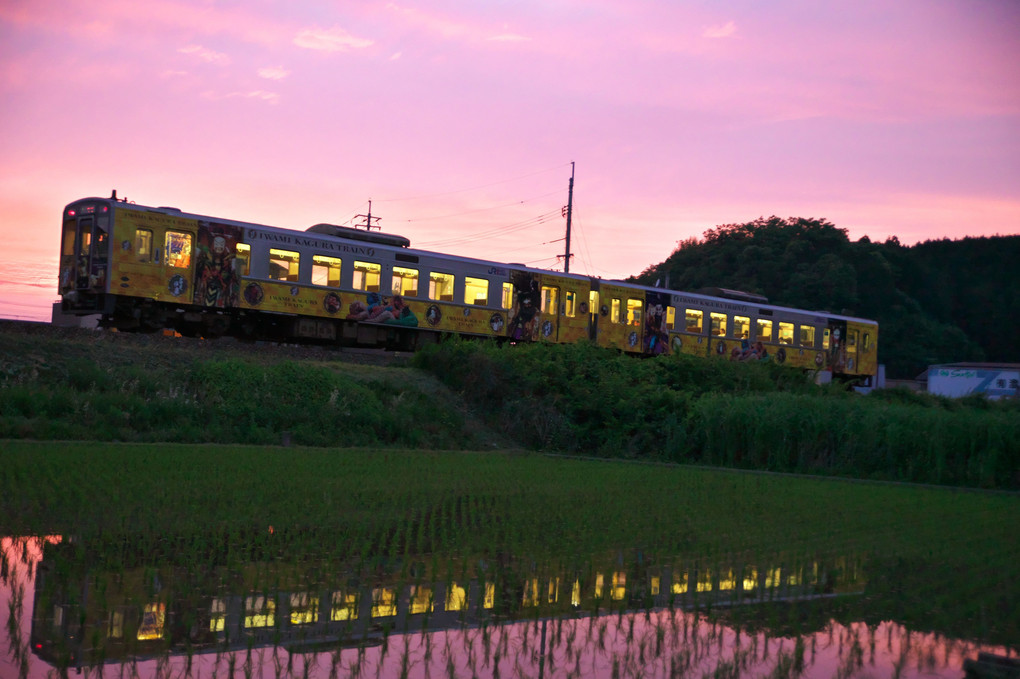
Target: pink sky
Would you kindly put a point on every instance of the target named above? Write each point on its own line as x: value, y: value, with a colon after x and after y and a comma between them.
x: 460, y: 119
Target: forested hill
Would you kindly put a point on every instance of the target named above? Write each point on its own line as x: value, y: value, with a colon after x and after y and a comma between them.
x: 936, y: 302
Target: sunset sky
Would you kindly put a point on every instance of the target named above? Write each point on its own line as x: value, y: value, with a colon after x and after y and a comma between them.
x: 459, y: 120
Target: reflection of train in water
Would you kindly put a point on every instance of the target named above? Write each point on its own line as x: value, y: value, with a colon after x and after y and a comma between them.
x: 121, y: 610
x: 145, y: 269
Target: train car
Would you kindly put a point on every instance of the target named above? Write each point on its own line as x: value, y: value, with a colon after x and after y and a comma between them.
x: 149, y: 268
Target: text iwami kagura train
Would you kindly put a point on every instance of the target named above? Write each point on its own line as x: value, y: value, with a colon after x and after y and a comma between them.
x: 146, y: 269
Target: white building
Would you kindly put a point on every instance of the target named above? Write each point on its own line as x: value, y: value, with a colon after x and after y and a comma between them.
x: 993, y: 380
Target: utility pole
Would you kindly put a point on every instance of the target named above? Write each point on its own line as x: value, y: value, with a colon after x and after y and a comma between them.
x: 369, y: 223
x: 570, y: 209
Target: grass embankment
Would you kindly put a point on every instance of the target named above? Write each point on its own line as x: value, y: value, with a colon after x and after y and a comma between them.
x: 936, y: 558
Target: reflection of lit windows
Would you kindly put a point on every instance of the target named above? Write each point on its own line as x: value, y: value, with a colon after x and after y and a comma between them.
x: 619, y: 585
x: 575, y: 594
x: 58, y: 617
x: 741, y: 327
x: 405, y: 281
x: 326, y: 271
x: 807, y: 336
x: 143, y: 245
x: 345, y: 606
x: 153, y: 617
x: 786, y: 333
x: 218, y: 615
x: 634, y: 309
x: 259, y: 611
x: 284, y: 265
x: 243, y: 255
x: 750, y: 580
x: 476, y: 291
x: 718, y: 325
x: 530, y: 597
x: 727, y: 582
x: 764, y: 332
x: 456, y: 598
x: 178, y: 249
x: 304, y: 609
x: 705, y: 581
x: 693, y: 320
x: 598, y: 586
x: 654, y: 588
x: 421, y: 599
x: 772, y: 578
x: 366, y: 276
x: 508, y: 295
x: 489, y: 600
x: 550, y: 299
x: 679, y: 582
x: 441, y: 286
x: 384, y: 602
x: 116, y: 627
x: 554, y: 590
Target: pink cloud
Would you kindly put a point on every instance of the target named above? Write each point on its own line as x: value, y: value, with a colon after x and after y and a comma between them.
x: 334, y: 39
x: 727, y: 30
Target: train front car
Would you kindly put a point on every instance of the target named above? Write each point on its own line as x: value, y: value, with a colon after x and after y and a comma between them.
x: 84, y: 279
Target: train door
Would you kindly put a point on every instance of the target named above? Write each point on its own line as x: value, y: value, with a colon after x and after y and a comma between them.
x: 85, y: 255
x: 837, y: 346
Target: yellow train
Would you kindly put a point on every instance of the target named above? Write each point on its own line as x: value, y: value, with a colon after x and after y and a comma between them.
x: 148, y: 268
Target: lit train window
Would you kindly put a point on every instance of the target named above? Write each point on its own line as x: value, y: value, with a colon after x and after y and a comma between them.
x: 476, y: 291
x: 825, y: 338
x: 326, y: 271
x: 671, y: 317
x: 259, y: 611
x: 441, y: 286
x: 345, y: 606
x: 284, y: 265
x: 243, y: 255
x: 741, y: 327
x: 614, y: 311
x: 764, y: 331
x: 807, y: 336
x: 405, y: 281
x: 384, y: 602
x: 421, y: 599
x: 304, y: 608
x: 550, y: 299
x: 366, y: 276
x: 456, y: 598
x: 508, y: 295
x: 694, y: 319
x: 867, y: 341
x: 593, y: 303
x: 718, y: 325
x: 786, y: 333
x: 178, y: 249
x: 634, y: 309
x: 570, y: 304
x: 143, y: 245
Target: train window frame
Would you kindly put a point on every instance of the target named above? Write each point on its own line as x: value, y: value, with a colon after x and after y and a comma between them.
x: 806, y: 335
x: 717, y: 324
x: 144, y: 240
x: 439, y: 283
x: 508, y: 295
x: 244, y: 258
x: 178, y: 249
x: 742, y: 327
x: 472, y: 286
x: 614, y: 310
x: 327, y: 269
x: 635, y: 311
x: 785, y: 334
x: 762, y: 336
x: 292, y: 266
x: 694, y: 314
x: 550, y: 300
x: 363, y: 275
x: 570, y: 304
x: 401, y: 275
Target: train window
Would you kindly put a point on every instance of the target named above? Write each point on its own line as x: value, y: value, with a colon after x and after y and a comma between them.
x: 807, y: 336
x: 785, y: 333
x: 614, y: 311
x: 69, y: 233
x: 593, y: 304
x: 570, y: 304
x: 671, y: 317
x: 508, y: 295
x: 178, y: 249
x: 441, y: 286
x: 718, y: 324
x: 476, y: 291
x: 634, y: 308
x: 366, y: 276
x: 405, y: 281
x: 866, y: 341
x: 143, y: 245
x: 826, y: 333
x: 326, y: 271
x: 741, y: 327
x: 284, y: 264
x: 694, y: 320
x: 764, y: 331
x: 243, y: 256
x: 550, y: 299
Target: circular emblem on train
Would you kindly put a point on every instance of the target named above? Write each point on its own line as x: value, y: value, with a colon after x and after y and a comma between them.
x: 433, y: 315
x: 583, y: 307
x: 677, y: 343
x: 819, y: 359
x: 720, y: 348
x: 547, y: 328
x: 781, y: 355
x: 253, y: 294
x: 604, y: 310
x: 467, y: 312
x: 632, y: 339
x: 496, y: 322
x: 177, y: 285
x: 331, y: 302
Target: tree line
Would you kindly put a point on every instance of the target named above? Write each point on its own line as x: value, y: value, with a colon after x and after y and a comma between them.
x: 940, y: 301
